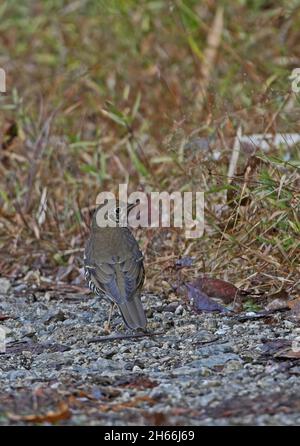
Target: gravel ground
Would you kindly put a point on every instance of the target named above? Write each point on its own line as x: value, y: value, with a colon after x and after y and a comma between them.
x: 205, y: 369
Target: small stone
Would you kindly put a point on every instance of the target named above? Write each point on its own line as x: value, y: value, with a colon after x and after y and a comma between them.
x: 107, y: 365
x: 289, y: 324
x: 232, y: 366
x: 209, y: 324
x: 55, y: 316
x: 20, y: 287
x: 27, y: 354
x: 18, y: 374
x: 277, y: 304
x: 4, y: 285
x: 128, y: 366
x: 179, y: 310
x: 216, y: 360
x: 139, y: 363
x: 171, y: 307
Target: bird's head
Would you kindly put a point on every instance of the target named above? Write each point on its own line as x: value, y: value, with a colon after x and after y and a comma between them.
x: 111, y: 213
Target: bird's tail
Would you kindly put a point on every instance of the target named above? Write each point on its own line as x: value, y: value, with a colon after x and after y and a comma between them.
x: 133, y: 313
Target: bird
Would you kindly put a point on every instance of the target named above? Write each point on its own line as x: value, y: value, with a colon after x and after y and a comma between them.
x: 114, y: 268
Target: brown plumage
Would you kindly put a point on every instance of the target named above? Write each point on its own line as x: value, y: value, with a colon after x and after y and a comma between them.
x: 114, y: 270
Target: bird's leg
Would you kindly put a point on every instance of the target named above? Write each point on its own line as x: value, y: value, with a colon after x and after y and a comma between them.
x: 107, y: 323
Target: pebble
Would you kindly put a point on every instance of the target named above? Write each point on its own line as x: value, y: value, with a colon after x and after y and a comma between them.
x: 5, y: 285
x: 207, y: 362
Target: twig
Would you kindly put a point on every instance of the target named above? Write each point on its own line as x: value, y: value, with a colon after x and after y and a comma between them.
x: 286, y: 98
x: 234, y: 155
x: 120, y: 336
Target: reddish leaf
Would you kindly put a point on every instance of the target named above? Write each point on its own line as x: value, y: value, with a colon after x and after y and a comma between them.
x: 134, y: 402
x: 156, y: 418
x: 3, y: 317
x: 62, y: 413
x: 294, y: 305
x: 141, y: 382
x: 216, y: 288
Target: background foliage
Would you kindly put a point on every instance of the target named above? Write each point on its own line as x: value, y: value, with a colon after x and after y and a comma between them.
x: 151, y: 93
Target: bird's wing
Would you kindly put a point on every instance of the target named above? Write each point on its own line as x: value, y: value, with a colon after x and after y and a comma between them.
x: 134, y: 275
x: 119, y: 277
x: 133, y: 267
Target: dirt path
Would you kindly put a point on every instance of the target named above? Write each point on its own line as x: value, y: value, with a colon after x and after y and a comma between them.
x: 206, y: 369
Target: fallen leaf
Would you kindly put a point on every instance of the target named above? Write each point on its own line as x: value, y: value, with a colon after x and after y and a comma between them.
x: 288, y: 354
x: 62, y: 413
x: 3, y: 317
x: 294, y: 305
x: 141, y: 382
x: 156, y: 418
x: 217, y: 288
x: 281, y: 348
x: 201, y: 302
x: 127, y: 404
x: 272, y: 346
x: 17, y: 347
x: 245, y: 405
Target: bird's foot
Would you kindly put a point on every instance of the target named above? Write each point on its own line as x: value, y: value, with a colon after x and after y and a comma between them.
x: 107, y: 327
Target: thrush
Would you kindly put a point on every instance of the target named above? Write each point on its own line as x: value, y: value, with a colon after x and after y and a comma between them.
x: 114, y: 268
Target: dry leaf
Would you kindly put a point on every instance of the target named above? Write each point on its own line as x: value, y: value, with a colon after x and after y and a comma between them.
x: 3, y: 317
x: 127, y: 404
x: 294, y: 304
x: 220, y: 289
x: 62, y: 413
x: 288, y: 354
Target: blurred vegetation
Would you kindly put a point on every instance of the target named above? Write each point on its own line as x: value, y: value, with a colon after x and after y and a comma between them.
x: 102, y: 92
